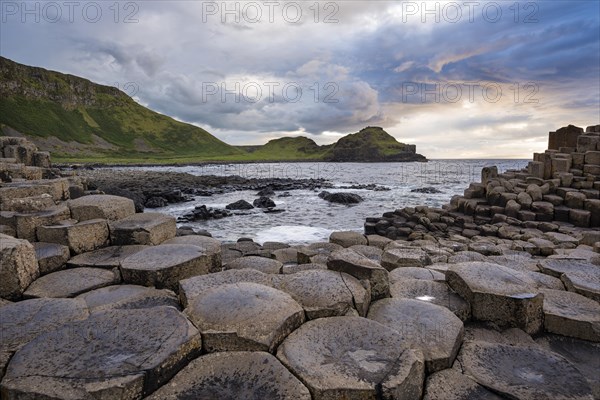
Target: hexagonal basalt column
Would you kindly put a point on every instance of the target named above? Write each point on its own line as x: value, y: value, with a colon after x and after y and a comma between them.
x: 498, y: 294
x: 244, y: 316
x: 353, y: 357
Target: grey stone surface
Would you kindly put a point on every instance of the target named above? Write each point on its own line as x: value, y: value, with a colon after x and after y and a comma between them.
x: 570, y: 314
x: 233, y: 376
x: 18, y: 266
x: 306, y: 254
x: 191, y: 288
x: 128, y: 297
x: 144, y: 228
x: 71, y: 282
x: 433, y: 292
x: 398, y: 258
x: 116, y: 354
x: 347, y: 238
x: 22, y: 321
x: 361, y: 268
x: 400, y: 274
x: 165, y: 265
x: 523, y: 372
x: 371, y: 252
x: 450, y: 384
x: 498, y: 294
x: 51, y: 256
x: 324, y: 293
x: 294, y: 268
x: 262, y: 264
x: 583, y: 354
x: 101, y: 206
x: 80, y: 237
x: 108, y: 257
x: 435, y: 330
x: 577, y: 275
x: 353, y: 358
x: 244, y: 316
x: 212, y: 247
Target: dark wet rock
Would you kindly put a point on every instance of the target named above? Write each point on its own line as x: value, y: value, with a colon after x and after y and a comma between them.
x: 128, y: 297
x: 353, y: 357
x: 341, y: 197
x: 24, y: 320
x: 523, y: 372
x: 266, y: 192
x: 581, y: 353
x: 263, y: 202
x: 369, y: 186
x: 435, y: 330
x: 116, y: 354
x: 233, y: 376
x: 203, y: 213
x: 71, y: 282
x: 239, y: 205
x: 426, y: 190
x: 156, y: 202
x: 244, y: 316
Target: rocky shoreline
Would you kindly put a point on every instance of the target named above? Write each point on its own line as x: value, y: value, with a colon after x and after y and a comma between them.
x: 492, y: 296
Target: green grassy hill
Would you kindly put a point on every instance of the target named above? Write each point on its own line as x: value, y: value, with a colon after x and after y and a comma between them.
x: 80, y: 121
x: 104, y: 122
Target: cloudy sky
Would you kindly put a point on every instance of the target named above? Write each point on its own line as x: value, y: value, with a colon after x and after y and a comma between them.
x: 468, y: 79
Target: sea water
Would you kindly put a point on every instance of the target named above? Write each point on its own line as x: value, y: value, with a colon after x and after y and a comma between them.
x: 307, y: 218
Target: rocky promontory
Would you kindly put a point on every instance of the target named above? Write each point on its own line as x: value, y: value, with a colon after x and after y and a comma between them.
x: 468, y: 301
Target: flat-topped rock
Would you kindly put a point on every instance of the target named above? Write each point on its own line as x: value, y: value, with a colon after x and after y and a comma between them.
x: 163, y: 266
x: 307, y: 254
x: 57, y: 188
x: 523, y: 372
x: 498, y: 294
x: 27, y: 223
x: 27, y: 204
x: 18, y: 266
x: 103, y: 206
x: 372, y: 253
x: 192, y: 287
x: 108, y: 257
x: 353, y: 357
x: 80, y: 237
x: 51, y: 256
x: 244, y: 317
x: 487, y: 249
x: 398, y: 258
x: 570, y: 314
x: 584, y: 355
x: 232, y: 376
x: 71, y: 282
x: 324, y: 293
x: 128, y: 297
x: 116, y: 354
x: 347, y: 238
x: 24, y: 320
x: 207, y: 244
x: 361, y: 268
x: 400, y: 274
x: 432, y: 292
x: 435, y: 330
x: 144, y: 228
x: 451, y: 384
x: 262, y: 264
x: 294, y: 268
x: 466, y: 256
x: 578, y: 276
